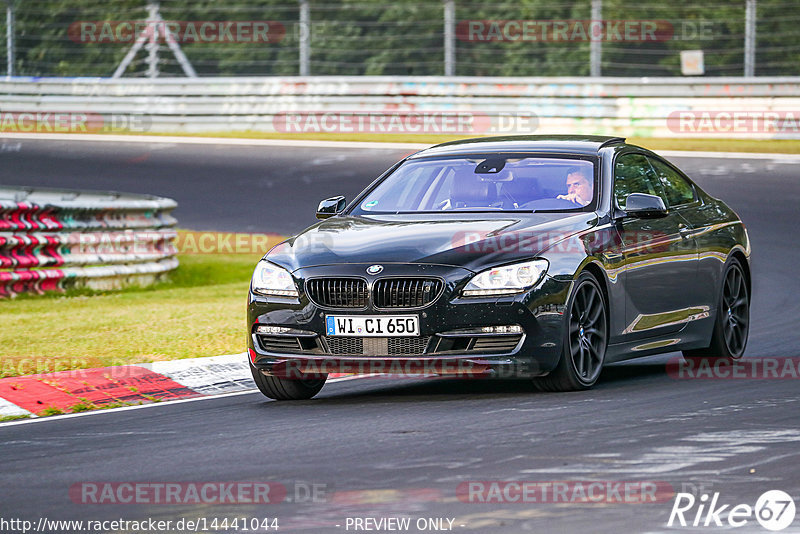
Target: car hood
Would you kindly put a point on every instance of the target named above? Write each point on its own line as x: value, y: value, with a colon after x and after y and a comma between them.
x: 472, y: 241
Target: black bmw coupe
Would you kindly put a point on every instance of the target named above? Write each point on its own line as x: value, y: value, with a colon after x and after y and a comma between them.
x: 543, y: 257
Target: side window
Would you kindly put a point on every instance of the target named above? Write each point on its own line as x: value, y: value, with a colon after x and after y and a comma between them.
x: 677, y: 190
x: 633, y: 174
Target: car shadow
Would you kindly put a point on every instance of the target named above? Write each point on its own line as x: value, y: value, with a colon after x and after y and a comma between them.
x: 439, y: 389
x: 627, y: 371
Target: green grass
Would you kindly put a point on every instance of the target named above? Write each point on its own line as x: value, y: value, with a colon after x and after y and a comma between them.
x: 772, y: 146
x: 200, y: 311
x: 5, y: 418
x: 50, y: 411
x: 83, y: 406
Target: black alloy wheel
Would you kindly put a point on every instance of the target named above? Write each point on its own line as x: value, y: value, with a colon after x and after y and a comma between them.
x: 732, y: 324
x: 586, y: 338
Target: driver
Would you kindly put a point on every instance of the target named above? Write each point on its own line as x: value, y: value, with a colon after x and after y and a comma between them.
x: 579, y: 186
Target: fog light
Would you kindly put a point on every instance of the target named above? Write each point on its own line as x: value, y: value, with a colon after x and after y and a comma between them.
x: 506, y: 329
x: 264, y: 329
x: 282, y: 331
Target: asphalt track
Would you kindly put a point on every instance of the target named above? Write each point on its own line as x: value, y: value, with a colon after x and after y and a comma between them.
x: 381, y: 448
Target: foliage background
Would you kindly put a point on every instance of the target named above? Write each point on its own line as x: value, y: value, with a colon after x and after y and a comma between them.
x: 403, y: 37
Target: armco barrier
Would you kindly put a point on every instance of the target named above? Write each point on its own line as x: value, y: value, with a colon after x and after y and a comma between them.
x: 621, y: 106
x: 53, y: 239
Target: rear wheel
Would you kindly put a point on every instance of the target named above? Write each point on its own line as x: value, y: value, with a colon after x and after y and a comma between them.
x: 585, y: 340
x: 732, y: 325
x: 279, y: 388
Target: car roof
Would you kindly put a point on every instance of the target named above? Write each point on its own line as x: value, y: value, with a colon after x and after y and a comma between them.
x: 553, y: 144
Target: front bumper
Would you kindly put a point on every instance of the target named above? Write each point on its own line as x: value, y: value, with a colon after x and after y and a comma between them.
x: 450, y: 340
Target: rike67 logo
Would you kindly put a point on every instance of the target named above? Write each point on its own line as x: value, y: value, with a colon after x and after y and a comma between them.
x: 774, y: 510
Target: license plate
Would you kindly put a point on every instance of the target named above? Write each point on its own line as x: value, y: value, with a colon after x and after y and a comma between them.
x: 372, y: 325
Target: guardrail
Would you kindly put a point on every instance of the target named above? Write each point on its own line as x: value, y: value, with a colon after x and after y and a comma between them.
x: 621, y: 106
x: 52, y: 240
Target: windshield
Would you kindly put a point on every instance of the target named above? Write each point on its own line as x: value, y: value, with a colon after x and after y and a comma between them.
x: 484, y: 183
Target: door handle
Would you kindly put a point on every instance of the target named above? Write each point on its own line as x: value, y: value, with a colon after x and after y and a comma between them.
x: 685, y: 231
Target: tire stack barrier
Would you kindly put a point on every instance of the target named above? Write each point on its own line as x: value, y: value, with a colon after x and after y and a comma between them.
x: 52, y: 240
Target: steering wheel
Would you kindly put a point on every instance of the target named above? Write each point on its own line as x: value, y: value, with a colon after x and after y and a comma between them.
x: 549, y: 204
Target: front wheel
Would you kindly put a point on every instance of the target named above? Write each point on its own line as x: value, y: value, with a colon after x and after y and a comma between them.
x: 585, y: 340
x: 279, y: 388
x: 732, y: 325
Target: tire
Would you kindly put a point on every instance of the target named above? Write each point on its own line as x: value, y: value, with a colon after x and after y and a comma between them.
x: 732, y: 324
x: 585, y: 340
x: 279, y: 388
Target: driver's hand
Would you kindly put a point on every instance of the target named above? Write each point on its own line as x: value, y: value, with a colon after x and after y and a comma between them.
x: 573, y: 197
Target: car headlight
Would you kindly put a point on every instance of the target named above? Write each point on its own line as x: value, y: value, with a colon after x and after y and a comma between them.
x: 506, y: 280
x: 274, y: 281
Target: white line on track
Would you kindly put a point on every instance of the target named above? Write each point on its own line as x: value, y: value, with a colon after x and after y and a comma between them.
x: 214, y: 141
x: 727, y: 155
x: 153, y: 405
x: 337, y: 144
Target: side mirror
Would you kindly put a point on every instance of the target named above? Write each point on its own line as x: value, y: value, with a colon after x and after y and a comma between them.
x: 330, y: 207
x: 645, y: 206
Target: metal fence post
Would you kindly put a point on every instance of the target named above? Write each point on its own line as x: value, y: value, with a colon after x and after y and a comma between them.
x: 304, y: 38
x: 152, y: 45
x: 596, y: 44
x: 750, y: 39
x: 449, y: 38
x: 9, y: 38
